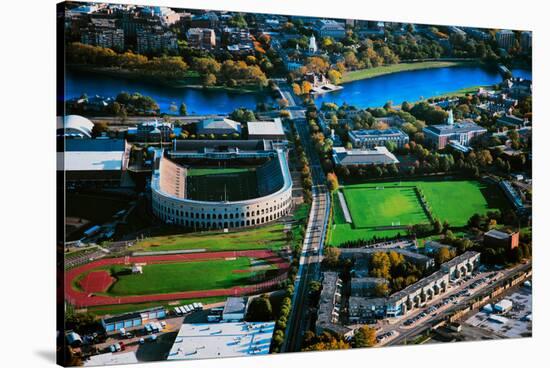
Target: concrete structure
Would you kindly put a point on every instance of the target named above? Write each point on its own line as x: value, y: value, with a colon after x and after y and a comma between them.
x: 154, y: 39
x: 94, y: 162
x: 104, y: 33
x: 170, y: 201
x: 372, y: 138
x: 134, y: 319
x: 221, y: 340
x: 330, y: 303
x: 112, y: 359
x: 234, y: 309
x: 219, y: 126
x: 441, y: 135
x: 201, y: 38
x: 500, y: 239
x: 376, y: 156
x: 362, y: 310
x: 505, y: 38
x: 74, y: 126
x: 272, y: 130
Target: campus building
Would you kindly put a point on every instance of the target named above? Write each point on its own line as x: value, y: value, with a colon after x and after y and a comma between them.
x: 201, y: 38
x: 330, y: 304
x: 500, y: 239
x: 154, y: 131
x: 219, y: 126
x: 272, y: 130
x: 171, y: 194
x: 74, y: 126
x: 104, y: 33
x: 376, y: 156
x: 440, y: 135
x: 153, y: 39
x: 330, y: 28
x: 505, y: 38
x: 94, y: 162
x: 370, y: 138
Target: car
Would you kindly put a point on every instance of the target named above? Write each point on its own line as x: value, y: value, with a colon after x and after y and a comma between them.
x: 112, y: 349
x: 129, y: 335
x: 122, y: 346
x: 142, y: 341
x: 152, y: 338
x: 163, y: 324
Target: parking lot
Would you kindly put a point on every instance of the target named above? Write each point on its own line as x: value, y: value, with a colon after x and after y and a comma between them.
x: 518, y: 319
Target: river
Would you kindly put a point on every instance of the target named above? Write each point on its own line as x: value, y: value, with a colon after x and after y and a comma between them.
x: 398, y: 87
x: 414, y: 85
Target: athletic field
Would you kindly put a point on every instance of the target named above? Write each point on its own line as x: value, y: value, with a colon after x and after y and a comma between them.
x: 383, y: 206
x: 375, y: 210
x: 213, y: 184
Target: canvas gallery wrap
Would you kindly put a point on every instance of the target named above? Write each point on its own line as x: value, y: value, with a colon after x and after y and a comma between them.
x: 240, y: 184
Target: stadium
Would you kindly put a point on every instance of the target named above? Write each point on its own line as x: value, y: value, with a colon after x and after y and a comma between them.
x: 221, y: 184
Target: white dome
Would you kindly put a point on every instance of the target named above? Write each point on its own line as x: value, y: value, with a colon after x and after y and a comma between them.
x: 75, y: 123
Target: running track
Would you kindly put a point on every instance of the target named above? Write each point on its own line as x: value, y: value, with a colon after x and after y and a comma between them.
x: 82, y: 299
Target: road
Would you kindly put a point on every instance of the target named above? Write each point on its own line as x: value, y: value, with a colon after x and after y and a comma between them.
x: 404, y: 333
x: 312, y: 249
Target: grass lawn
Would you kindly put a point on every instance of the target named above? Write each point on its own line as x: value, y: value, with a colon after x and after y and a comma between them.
x: 200, y: 171
x: 395, y: 68
x: 464, y: 91
x: 186, y: 276
x: 453, y: 200
x: 265, y: 237
x: 370, y: 207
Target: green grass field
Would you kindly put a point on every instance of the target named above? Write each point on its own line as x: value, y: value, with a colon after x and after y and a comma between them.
x: 265, y: 237
x: 221, y: 184
x: 371, y: 207
x: 395, y: 68
x: 451, y: 200
x: 201, y: 171
x: 186, y: 276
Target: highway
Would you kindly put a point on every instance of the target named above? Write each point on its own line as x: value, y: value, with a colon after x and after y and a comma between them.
x: 312, y: 249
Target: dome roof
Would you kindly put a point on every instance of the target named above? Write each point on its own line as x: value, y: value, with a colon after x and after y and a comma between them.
x: 75, y: 122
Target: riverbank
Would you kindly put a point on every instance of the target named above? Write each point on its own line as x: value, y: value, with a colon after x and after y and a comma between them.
x: 192, y: 81
x: 401, y: 67
x: 464, y: 91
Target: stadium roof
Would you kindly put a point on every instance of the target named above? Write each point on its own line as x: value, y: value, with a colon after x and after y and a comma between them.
x: 205, y: 340
x: 268, y: 128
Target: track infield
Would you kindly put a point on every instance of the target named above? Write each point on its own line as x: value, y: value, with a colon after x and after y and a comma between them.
x: 187, y: 273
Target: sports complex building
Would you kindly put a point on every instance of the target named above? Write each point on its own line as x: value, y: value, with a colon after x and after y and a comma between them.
x: 221, y: 184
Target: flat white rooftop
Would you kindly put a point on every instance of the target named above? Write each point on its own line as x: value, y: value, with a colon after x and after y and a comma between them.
x: 91, y: 161
x: 111, y: 359
x: 265, y: 128
x: 217, y: 340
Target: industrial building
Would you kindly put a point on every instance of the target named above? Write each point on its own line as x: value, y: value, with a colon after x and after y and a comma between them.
x: 221, y: 340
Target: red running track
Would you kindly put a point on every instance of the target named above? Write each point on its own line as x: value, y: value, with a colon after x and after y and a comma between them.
x: 84, y: 299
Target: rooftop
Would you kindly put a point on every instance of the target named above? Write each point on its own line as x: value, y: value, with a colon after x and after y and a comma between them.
x: 497, y: 234
x: 462, y: 127
x: 266, y: 127
x: 203, y: 340
x: 235, y: 305
x: 111, y: 359
x: 362, y: 133
x: 376, y: 156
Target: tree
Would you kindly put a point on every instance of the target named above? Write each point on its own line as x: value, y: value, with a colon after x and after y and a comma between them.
x: 364, y: 337
x: 209, y: 80
x: 99, y: 128
x: 443, y: 255
x: 332, y: 180
x: 331, y: 256
x: 381, y: 289
x: 259, y: 309
x: 183, y: 109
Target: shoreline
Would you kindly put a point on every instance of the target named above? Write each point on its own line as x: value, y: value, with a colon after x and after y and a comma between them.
x: 172, y: 83
x: 369, y: 73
